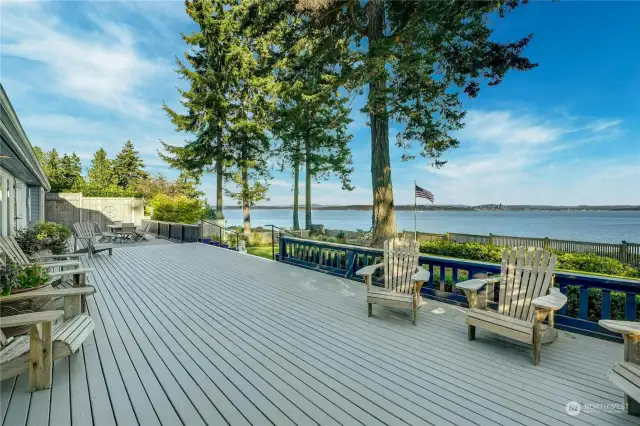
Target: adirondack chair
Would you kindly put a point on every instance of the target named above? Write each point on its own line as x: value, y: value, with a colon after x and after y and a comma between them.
x: 86, y: 241
x: 46, y: 341
x: 626, y: 374
x: 12, y: 250
x: 524, y: 303
x: 403, y: 278
x: 142, y: 231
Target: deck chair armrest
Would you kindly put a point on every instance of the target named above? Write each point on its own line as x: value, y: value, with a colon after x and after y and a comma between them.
x: 551, y: 302
x: 54, y: 257
x: 70, y: 272
x: 369, y: 270
x: 421, y: 276
x: 30, y: 318
x: 627, y: 328
x: 472, y: 285
x: 64, y: 292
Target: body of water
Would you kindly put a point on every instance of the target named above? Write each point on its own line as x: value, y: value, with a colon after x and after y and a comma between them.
x: 598, y: 226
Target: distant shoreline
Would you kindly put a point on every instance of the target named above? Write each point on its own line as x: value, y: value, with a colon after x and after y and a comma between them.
x: 489, y: 207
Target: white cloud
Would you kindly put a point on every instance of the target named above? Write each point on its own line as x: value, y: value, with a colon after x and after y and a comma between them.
x: 100, y: 67
x: 519, y: 160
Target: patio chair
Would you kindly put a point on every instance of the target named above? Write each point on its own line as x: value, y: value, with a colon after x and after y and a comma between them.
x: 10, y: 247
x: 103, y: 235
x: 524, y: 303
x: 128, y: 230
x: 403, y: 278
x: 46, y: 342
x: 626, y: 374
x: 141, y: 232
x: 86, y: 241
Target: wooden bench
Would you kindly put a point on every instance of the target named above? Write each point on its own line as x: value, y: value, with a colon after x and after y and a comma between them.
x: 626, y: 375
x: 46, y: 342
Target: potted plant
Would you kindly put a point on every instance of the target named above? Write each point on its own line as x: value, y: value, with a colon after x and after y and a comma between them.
x: 54, y: 237
x: 206, y: 240
x: 17, y: 279
x: 216, y: 243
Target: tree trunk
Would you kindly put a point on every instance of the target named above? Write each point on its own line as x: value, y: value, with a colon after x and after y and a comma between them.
x: 219, y: 180
x: 296, y: 193
x: 384, y: 217
x: 246, y: 214
x: 307, y: 185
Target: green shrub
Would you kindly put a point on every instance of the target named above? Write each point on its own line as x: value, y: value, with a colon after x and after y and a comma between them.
x: 583, y: 262
x: 32, y: 276
x: 178, y: 209
x: 28, y: 241
x: 54, y: 237
x: 9, y: 277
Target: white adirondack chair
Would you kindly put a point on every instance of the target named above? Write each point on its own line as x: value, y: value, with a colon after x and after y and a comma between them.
x: 403, y: 278
x: 524, y: 301
x: 626, y: 374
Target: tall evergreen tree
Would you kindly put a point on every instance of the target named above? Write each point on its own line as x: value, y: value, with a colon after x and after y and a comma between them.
x: 100, y: 171
x: 128, y: 167
x: 210, y: 71
x: 312, y: 125
x: 64, y: 173
x: 416, y: 59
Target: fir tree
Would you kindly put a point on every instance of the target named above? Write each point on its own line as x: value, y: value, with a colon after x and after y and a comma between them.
x: 128, y: 167
x: 100, y: 171
x: 415, y: 59
x: 209, y: 69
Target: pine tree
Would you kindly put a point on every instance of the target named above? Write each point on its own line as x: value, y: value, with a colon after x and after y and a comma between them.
x: 210, y: 71
x: 128, y: 167
x: 312, y: 125
x: 416, y: 59
x: 100, y: 171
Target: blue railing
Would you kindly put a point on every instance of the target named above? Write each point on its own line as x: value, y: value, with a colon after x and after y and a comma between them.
x: 344, y: 260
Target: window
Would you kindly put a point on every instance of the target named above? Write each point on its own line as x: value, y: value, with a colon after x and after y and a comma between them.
x: 8, y: 211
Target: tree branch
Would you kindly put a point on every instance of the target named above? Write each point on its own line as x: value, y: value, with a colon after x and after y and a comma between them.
x: 354, y: 21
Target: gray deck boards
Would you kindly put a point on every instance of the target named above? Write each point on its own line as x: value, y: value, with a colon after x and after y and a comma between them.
x: 198, y: 335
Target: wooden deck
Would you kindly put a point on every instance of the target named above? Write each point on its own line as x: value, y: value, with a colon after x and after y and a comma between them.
x: 198, y: 335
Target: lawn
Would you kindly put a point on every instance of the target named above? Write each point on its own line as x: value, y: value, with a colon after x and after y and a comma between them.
x: 262, y: 251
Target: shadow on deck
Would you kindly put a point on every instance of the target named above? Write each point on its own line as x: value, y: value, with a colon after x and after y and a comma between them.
x: 197, y: 335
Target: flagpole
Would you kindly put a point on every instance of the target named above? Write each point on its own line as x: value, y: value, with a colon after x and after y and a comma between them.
x: 415, y: 220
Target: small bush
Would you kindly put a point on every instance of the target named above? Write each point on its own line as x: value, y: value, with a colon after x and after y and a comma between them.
x: 583, y: 262
x: 54, y: 237
x: 28, y: 241
x: 178, y: 209
x: 9, y: 277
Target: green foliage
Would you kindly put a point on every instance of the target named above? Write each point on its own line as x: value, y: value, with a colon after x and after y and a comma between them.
x: 177, y: 209
x: 210, y: 213
x: 54, y: 236
x: 28, y: 241
x: 9, y: 277
x: 128, y: 167
x: 100, y: 171
x: 64, y: 173
x: 32, y: 276
x: 583, y: 262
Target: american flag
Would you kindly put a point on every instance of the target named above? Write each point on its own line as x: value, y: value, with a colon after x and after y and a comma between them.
x: 423, y: 193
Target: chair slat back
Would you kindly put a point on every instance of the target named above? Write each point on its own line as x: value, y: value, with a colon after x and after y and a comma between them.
x: 525, y: 274
x: 128, y: 227
x: 400, y: 263
x: 13, y: 251
x: 84, y: 230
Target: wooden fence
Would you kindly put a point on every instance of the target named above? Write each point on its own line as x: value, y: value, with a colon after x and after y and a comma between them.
x: 69, y: 208
x: 591, y: 297
x: 624, y: 252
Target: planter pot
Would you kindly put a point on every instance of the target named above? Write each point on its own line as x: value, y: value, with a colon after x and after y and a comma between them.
x: 216, y: 243
x: 206, y: 240
x: 23, y: 307
x: 225, y: 246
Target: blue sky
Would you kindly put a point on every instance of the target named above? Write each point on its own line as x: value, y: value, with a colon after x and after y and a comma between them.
x: 85, y: 75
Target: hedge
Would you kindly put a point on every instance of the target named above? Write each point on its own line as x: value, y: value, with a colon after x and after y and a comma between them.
x: 583, y: 262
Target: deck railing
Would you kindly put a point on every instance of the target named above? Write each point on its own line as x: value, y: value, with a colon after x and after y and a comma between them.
x: 625, y: 252
x: 591, y: 297
x: 180, y: 232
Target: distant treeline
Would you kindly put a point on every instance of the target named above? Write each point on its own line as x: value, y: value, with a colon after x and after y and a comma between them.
x: 484, y: 207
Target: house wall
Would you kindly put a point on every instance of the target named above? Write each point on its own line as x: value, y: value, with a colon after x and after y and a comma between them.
x: 14, y: 203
